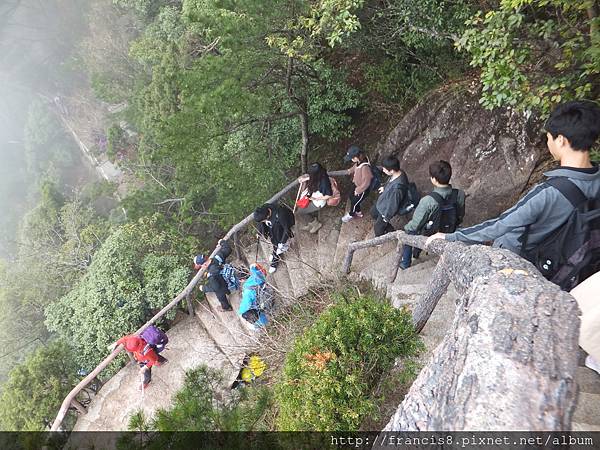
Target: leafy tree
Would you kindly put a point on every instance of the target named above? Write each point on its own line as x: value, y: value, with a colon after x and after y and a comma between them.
x: 329, y: 375
x: 36, y: 388
x: 136, y: 271
x: 534, y: 54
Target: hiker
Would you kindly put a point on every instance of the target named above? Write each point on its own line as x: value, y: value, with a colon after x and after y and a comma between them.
x: 216, y: 283
x: 534, y: 225
x: 391, y: 198
x: 250, y: 308
x: 586, y: 294
x: 275, y: 222
x: 144, y: 354
x: 318, y: 190
x: 252, y: 367
x: 362, y: 178
x: 156, y: 338
x: 441, y: 209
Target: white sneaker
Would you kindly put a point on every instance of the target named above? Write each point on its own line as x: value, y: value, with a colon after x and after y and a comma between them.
x: 591, y: 363
x: 347, y: 218
x: 272, y: 269
x: 271, y: 257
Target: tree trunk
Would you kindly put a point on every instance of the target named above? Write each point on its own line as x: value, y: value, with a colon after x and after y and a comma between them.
x: 304, y: 151
x: 508, y: 361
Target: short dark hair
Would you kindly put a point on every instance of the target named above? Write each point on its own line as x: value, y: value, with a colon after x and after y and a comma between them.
x: 391, y: 163
x: 578, y: 121
x: 441, y: 171
x: 261, y: 213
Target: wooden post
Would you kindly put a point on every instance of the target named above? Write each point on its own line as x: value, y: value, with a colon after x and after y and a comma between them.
x: 78, y: 406
x: 436, y: 288
x: 190, y: 304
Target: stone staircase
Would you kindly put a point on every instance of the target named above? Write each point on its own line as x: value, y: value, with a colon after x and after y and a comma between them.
x: 222, y: 339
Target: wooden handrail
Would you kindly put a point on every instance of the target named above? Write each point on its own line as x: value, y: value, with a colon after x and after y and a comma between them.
x: 70, y: 398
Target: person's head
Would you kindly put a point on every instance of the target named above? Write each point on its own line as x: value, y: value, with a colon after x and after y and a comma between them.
x: 316, y: 172
x: 440, y: 173
x: 134, y: 343
x: 198, y: 261
x: 573, y: 127
x: 391, y: 165
x: 262, y: 213
x: 355, y: 154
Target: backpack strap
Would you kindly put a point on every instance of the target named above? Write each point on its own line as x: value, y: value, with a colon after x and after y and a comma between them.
x: 569, y: 189
x: 437, y: 197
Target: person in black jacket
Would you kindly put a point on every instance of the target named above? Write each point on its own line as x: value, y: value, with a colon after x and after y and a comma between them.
x: 391, y: 197
x: 215, y: 281
x: 275, y: 222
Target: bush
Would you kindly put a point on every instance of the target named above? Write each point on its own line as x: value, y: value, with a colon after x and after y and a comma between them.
x: 333, y: 368
x: 201, y: 405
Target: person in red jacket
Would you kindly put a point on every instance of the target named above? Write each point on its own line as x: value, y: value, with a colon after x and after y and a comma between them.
x: 143, y: 353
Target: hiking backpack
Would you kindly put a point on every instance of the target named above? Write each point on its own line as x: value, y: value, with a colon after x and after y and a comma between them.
x: 265, y: 297
x: 445, y: 219
x: 377, y: 177
x: 154, y: 336
x: 412, y: 197
x: 571, y: 253
x: 229, y: 274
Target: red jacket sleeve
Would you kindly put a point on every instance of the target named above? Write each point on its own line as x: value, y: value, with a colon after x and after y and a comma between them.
x: 151, y: 358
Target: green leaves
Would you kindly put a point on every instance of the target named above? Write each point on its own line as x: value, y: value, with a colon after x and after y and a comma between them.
x: 528, y: 58
x: 36, y: 388
x: 329, y: 375
x: 137, y: 270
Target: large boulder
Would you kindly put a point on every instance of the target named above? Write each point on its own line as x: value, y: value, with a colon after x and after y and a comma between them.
x: 493, y: 153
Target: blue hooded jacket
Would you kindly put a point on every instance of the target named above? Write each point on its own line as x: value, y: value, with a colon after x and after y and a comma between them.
x: 256, y: 278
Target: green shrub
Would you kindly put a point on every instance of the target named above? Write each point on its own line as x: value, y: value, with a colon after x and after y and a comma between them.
x: 201, y: 405
x: 333, y: 368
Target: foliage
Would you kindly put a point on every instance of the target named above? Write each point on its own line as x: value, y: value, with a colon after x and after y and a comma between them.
x: 334, y: 366
x: 137, y: 270
x: 534, y: 54
x: 36, y: 388
x: 202, y: 405
x: 115, y: 137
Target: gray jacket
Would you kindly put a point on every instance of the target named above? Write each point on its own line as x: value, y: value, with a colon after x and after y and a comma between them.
x: 543, y: 207
x: 391, y: 199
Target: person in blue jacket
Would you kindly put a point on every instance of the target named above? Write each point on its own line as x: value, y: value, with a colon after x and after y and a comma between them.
x: 249, y: 309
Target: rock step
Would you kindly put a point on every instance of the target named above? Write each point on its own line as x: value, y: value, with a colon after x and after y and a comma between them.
x: 352, y: 231
x: 578, y: 426
x: 328, y: 240
x: 588, y: 409
x: 281, y: 278
x: 218, y: 333
x: 241, y: 336
x: 588, y: 380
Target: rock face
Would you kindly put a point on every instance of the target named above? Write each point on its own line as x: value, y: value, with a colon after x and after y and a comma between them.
x: 492, y: 153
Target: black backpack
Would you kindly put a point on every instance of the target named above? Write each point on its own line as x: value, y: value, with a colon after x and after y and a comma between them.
x: 412, y: 197
x: 377, y: 177
x: 445, y: 219
x: 571, y: 253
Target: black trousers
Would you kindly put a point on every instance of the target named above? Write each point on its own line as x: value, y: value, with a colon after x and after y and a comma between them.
x: 380, y: 226
x: 223, y: 300
x: 356, y: 201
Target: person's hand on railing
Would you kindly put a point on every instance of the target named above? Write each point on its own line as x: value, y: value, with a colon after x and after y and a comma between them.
x: 434, y: 237
x: 303, y: 178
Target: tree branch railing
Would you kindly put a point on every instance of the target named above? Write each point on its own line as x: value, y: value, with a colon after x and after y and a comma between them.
x: 509, y: 358
x: 70, y: 399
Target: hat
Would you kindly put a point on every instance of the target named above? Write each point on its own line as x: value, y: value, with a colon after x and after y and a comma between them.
x: 353, y: 151
x: 198, y: 261
x: 134, y: 343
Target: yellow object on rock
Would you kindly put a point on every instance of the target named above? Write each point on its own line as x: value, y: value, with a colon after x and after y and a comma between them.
x: 255, y: 368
